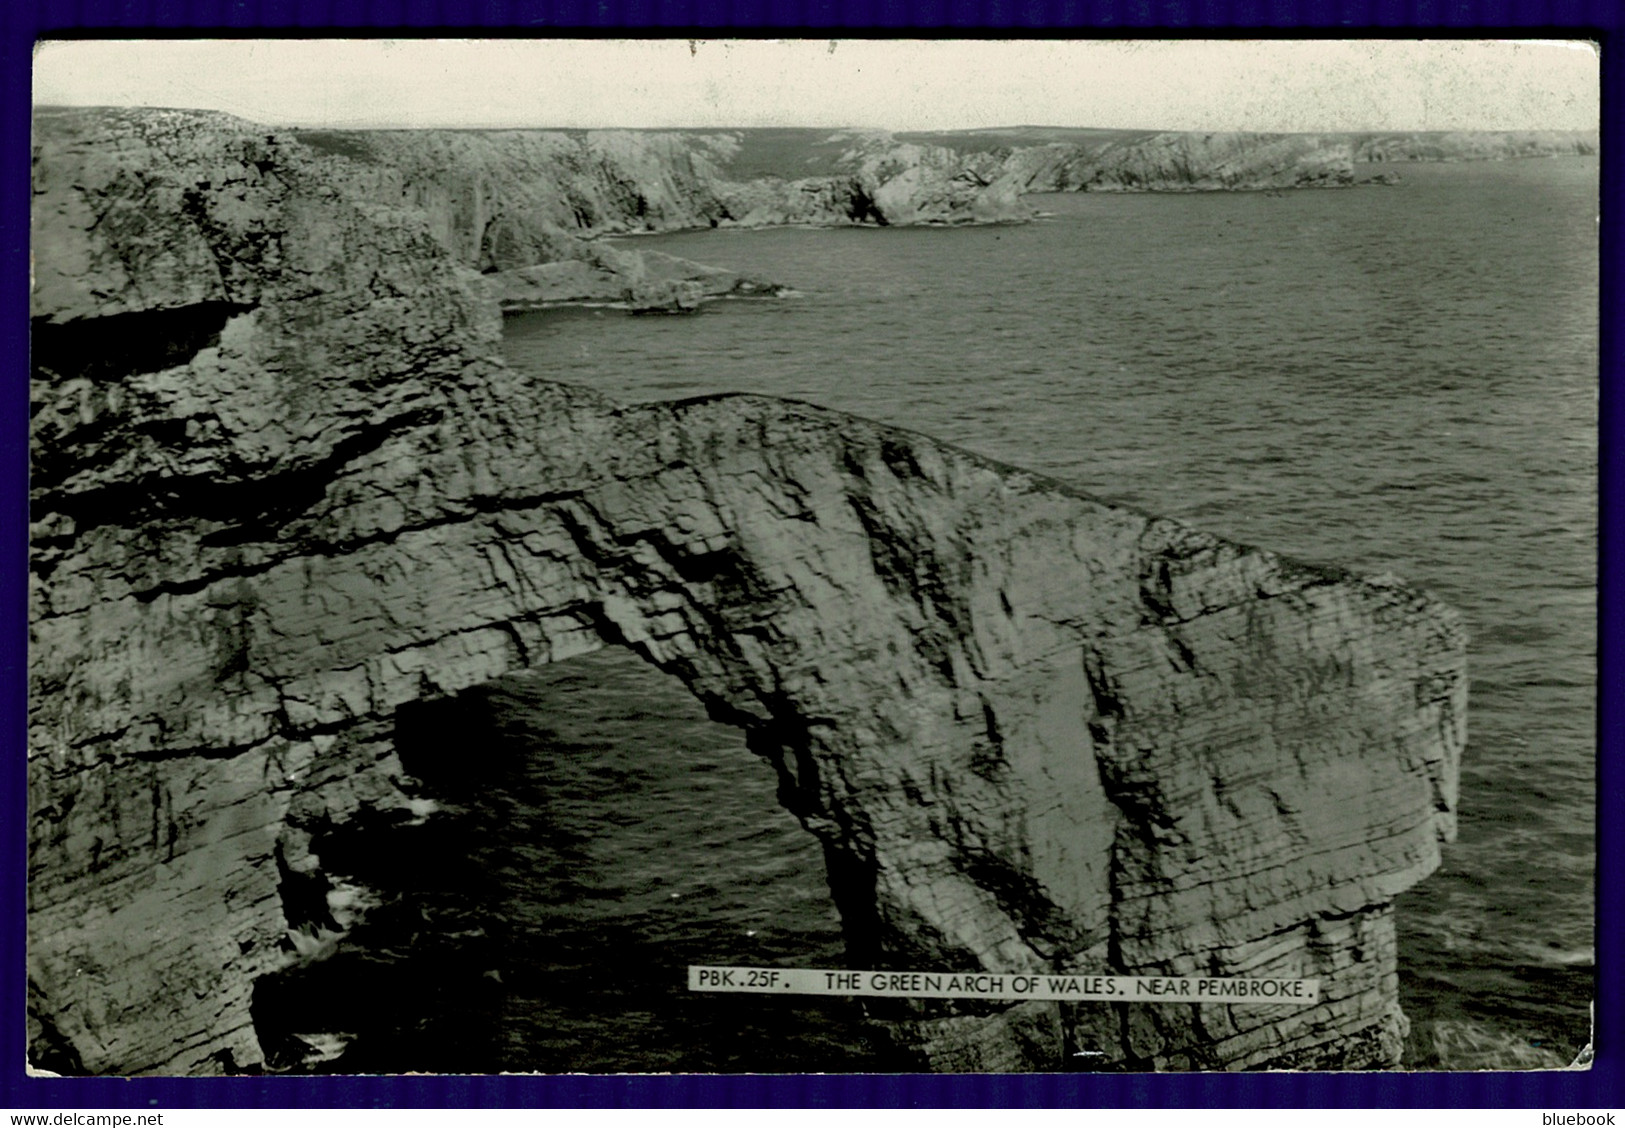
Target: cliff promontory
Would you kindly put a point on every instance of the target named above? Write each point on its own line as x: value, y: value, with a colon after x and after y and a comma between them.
x: 1098, y: 160
x: 1473, y: 145
x: 525, y: 208
x: 282, y: 489
x: 1188, y: 162
x: 511, y: 200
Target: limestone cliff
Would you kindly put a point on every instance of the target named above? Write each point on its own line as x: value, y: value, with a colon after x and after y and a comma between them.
x: 505, y: 200
x: 1188, y: 162
x: 501, y: 199
x: 521, y: 206
x: 888, y: 182
x: 1471, y: 145
x: 282, y: 489
x: 1128, y: 161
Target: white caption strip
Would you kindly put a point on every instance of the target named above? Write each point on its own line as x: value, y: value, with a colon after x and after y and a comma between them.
x: 980, y: 985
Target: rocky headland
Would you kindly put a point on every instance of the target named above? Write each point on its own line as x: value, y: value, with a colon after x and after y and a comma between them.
x: 1189, y: 162
x: 1091, y: 160
x: 1467, y: 145
x: 282, y: 489
x: 526, y: 208
x: 522, y: 206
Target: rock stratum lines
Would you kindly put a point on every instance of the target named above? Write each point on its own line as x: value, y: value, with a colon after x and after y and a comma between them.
x: 282, y: 488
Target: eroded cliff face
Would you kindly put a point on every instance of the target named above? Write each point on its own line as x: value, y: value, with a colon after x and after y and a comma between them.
x: 1189, y: 162
x: 282, y: 490
x: 1470, y: 145
x: 523, y: 206
x: 500, y: 199
x: 1194, y: 162
x: 887, y: 182
x: 507, y: 202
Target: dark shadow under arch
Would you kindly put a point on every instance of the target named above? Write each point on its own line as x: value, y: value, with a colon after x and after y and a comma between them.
x: 596, y: 833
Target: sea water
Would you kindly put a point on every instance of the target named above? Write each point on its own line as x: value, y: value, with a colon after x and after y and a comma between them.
x: 1397, y: 379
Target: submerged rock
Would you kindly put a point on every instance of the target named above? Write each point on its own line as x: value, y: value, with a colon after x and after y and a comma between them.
x: 664, y: 296
x: 282, y: 489
x: 631, y: 277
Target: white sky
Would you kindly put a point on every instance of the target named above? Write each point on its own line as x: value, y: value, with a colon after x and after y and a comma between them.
x: 893, y: 84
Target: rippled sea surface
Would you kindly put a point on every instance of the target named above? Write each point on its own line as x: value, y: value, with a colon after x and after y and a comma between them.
x: 1398, y: 379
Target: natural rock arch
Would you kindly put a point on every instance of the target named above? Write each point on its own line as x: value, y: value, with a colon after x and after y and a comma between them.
x: 1034, y: 730
x: 592, y: 834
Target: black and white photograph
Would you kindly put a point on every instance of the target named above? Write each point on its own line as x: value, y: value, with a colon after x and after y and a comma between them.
x: 838, y: 556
